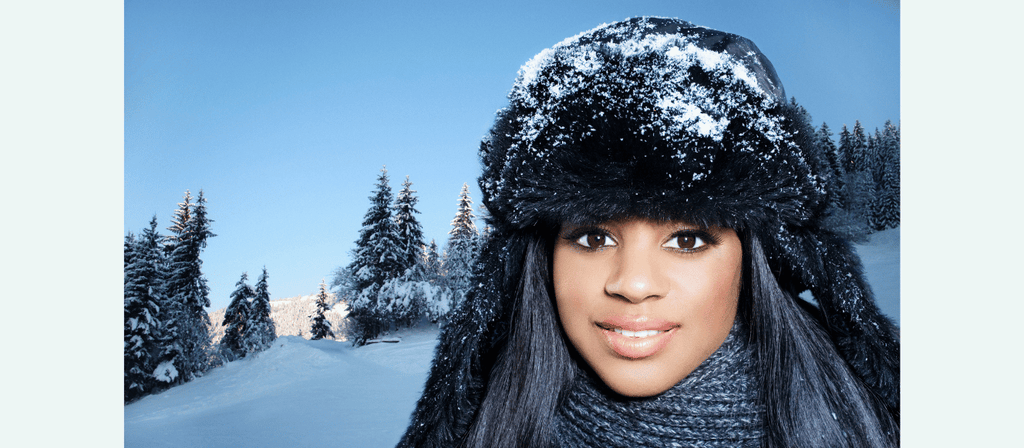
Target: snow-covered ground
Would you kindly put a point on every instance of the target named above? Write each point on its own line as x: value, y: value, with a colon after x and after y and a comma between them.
x: 881, y: 259
x: 297, y: 393
x: 325, y: 393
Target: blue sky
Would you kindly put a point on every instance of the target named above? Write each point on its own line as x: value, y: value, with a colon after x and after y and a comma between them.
x: 283, y: 113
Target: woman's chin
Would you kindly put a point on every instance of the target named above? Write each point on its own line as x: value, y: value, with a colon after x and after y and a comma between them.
x: 638, y: 378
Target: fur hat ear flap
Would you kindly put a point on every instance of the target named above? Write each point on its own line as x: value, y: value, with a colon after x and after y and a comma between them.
x: 867, y: 339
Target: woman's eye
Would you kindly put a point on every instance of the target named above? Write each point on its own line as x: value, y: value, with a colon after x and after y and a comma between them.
x: 685, y: 242
x: 594, y: 241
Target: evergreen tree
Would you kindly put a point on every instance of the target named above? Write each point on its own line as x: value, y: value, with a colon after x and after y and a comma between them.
x: 261, y: 331
x: 188, y: 291
x: 437, y: 300
x: 852, y: 221
x: 152, y: 245
x: 135, y: 367
x: 858, y: 158
x: 846, y: 149
x: 171, y: 358
x: 886, y: 207
x: 874, y: 171
x: 401, y: 300
x: 859, y: 180
x: 128, y: 252
x: 403, y: 296
x: 410, y: 233
x: 846, y: 212
x: 463, y: 245
x: 876, y: 158
x: 343, y: 283
x: 143, y: 297
x: 377, y: 258
x: 321, y: 327
x: 236, y: 320
x: 432, y: 262
x: 836, y: 186
x: 420, y: 293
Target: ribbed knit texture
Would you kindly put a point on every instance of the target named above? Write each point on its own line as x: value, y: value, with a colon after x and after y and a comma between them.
x: 715, y: 406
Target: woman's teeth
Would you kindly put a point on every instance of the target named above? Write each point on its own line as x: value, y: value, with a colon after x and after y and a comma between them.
x: 636, y: 334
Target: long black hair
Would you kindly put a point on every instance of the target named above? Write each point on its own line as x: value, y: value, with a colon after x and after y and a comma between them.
x: 812, y: 397
x: 534, y: 369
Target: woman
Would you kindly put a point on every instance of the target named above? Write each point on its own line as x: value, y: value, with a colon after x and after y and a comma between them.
x: 654, y: 220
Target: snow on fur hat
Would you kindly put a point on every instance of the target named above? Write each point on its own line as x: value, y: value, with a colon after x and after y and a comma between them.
x: 661, y: 119
x: 647, y: 117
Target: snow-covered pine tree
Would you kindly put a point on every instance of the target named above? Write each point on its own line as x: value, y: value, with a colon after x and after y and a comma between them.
x: 859, y: 141
x: 431, y: 262
x: 463, y: 245
x: 859, y: 180
x: 836, y: 186
x: 873, y: 161
x: 876, y: 157
x: 376, y: 259
x: 410, y: 232
x: 143, y: 297
x: 236, y: 319
x: 852, y: 221
x: 886, y: 208
x: 152, y: 244
x: 891, y: 138
x: 437, y: 302
x: 397, y: 298
x: 403, y: 300
x: 343, y: 283
x: 186, y: 287
x: 404, y: 295
x: 135, y: 359
x: 846, y: 149
x: 321, y: 327
x: 170, y: 357
x: 260, y: 332
x: 129, y: 253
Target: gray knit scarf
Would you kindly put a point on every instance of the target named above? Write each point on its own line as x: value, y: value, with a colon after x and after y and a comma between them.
x: 715, y: 406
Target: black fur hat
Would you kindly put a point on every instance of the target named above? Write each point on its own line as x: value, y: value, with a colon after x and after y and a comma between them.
x: 661, y: 119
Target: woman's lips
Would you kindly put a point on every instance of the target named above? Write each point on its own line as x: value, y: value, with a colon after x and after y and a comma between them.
x: 637, y: 337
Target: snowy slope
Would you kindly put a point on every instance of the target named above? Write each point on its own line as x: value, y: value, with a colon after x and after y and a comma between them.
x: 881, y: 259
x: 326, y: 393
x: 297, y: 393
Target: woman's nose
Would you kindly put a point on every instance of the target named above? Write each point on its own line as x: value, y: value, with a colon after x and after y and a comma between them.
x: 636, y: 277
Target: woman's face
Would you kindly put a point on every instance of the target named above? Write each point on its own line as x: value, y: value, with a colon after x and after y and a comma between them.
x: 645, y: 302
